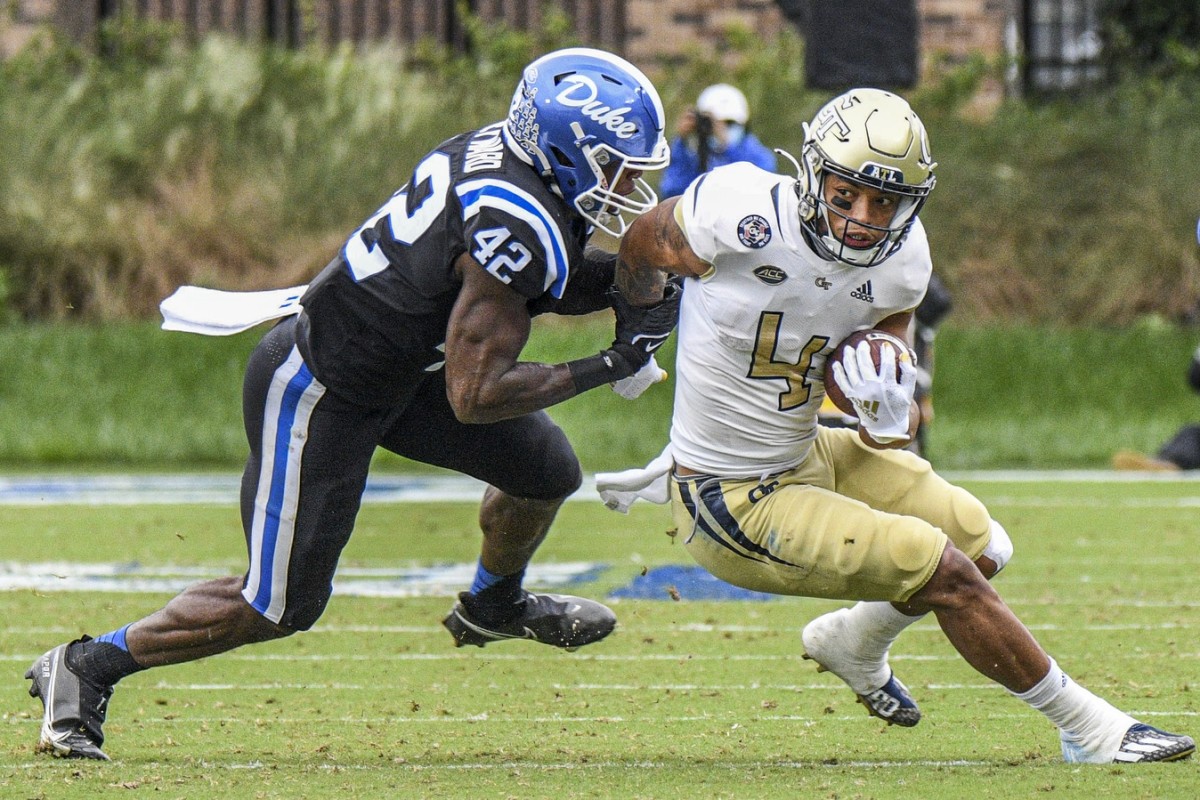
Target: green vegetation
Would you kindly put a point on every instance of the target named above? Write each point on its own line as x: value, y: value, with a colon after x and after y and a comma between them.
x: 703, y: 699
x: 1021, y: 396
x: 123, y: 176
x: 223, y: 165
x: 130, y: 396
x: 1160, y: 37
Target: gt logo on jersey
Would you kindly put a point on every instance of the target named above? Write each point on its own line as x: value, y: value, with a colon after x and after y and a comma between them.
x: 770, y: 275
x: 754, y: 231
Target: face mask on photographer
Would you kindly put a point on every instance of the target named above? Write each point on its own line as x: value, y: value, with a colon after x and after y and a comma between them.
x: 727, y: 104
x: 734, y: 133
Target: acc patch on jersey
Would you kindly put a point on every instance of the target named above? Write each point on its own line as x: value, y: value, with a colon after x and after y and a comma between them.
x: 754, y: 231
x: 770, y: 275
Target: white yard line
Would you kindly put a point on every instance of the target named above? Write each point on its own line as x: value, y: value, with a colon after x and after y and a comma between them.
x: 539, y: 656
x: 443, y: 580
x: 223, y: 489
x: 508, y: 767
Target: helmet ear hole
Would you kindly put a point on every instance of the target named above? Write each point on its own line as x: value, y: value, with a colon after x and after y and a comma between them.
x: 561, y: 157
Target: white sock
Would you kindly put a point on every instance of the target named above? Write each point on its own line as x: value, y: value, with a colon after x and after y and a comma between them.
x: 1082, y: 717
x: 875, y: 626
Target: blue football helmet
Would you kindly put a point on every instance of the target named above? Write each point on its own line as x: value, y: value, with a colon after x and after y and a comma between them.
x: 584, y: 117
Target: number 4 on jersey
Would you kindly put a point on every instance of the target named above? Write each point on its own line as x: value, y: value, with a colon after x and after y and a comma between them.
x: 765, y: 366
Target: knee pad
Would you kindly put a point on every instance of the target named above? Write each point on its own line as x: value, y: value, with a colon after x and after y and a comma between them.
x: 999, y: 547
x: 969, y: 522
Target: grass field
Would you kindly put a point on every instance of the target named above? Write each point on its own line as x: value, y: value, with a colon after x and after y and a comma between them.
x: 132, y: 397
x: 687, y: 699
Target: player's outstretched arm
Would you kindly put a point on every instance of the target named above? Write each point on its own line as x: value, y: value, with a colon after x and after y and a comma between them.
x: 488, y: 328
x: 645, y: 302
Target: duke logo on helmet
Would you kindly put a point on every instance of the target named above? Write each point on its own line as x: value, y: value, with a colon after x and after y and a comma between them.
x: 585, y: 101
x: 586, y: 119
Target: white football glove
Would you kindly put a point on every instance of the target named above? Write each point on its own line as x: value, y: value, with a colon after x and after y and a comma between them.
x: 882, y: 401
x: 632, y: 387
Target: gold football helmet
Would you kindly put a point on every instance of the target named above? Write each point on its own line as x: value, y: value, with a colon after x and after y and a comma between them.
x: 875, y: 139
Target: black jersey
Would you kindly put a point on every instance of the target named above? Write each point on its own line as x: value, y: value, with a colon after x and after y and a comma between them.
x: 374, y: 320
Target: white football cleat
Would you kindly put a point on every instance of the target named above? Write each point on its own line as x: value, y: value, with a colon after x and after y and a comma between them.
x: 1141, y: 743
x: 827, y: 642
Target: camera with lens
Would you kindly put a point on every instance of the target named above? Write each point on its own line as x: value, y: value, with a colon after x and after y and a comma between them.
x: 704, y: 135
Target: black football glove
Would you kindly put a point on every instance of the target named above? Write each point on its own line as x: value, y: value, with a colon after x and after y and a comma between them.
x: 643, y: 329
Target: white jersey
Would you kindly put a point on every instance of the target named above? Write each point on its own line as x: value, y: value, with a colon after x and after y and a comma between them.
x: 755, y: 330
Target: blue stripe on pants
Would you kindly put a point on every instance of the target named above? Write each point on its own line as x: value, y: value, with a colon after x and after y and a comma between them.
x: 283, y: 436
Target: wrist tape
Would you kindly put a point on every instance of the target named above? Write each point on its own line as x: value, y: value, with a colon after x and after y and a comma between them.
x: 606, y: 366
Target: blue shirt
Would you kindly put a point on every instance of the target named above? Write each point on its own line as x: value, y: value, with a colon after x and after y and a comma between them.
x: 685, y: 162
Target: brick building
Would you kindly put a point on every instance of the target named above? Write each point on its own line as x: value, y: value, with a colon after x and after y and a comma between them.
x: 654, y: 28
x: 954, y: 28
x: 648, y: 32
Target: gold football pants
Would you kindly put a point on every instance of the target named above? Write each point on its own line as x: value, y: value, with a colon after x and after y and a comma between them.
x: 850, y: 523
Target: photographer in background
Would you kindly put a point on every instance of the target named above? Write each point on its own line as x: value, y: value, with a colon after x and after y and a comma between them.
x: 1181, y: 451
x: 713, y: 134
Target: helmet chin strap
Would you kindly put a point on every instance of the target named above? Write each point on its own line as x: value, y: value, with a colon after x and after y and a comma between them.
x: 542, y: 162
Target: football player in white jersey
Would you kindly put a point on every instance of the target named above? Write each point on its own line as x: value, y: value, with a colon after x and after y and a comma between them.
x: 778, y: 270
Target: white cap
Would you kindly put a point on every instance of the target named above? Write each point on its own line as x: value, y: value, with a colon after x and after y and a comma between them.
x: 724, y: 102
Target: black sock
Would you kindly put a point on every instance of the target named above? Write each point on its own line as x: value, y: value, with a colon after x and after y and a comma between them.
x: 498, y: 603
x: 102, y: 663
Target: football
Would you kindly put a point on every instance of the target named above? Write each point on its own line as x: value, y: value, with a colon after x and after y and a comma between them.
x: 875, y: 338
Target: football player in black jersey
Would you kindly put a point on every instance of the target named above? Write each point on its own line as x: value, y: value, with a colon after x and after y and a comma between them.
x: 410, y: 340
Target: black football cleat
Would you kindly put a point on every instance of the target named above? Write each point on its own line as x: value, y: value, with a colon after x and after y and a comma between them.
x: 73, y: 707
x: 554, y: 619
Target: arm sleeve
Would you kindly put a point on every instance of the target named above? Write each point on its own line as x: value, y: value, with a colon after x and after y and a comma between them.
x: 587, y: 290
x: 694, y: 223
x: 713, y: 204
